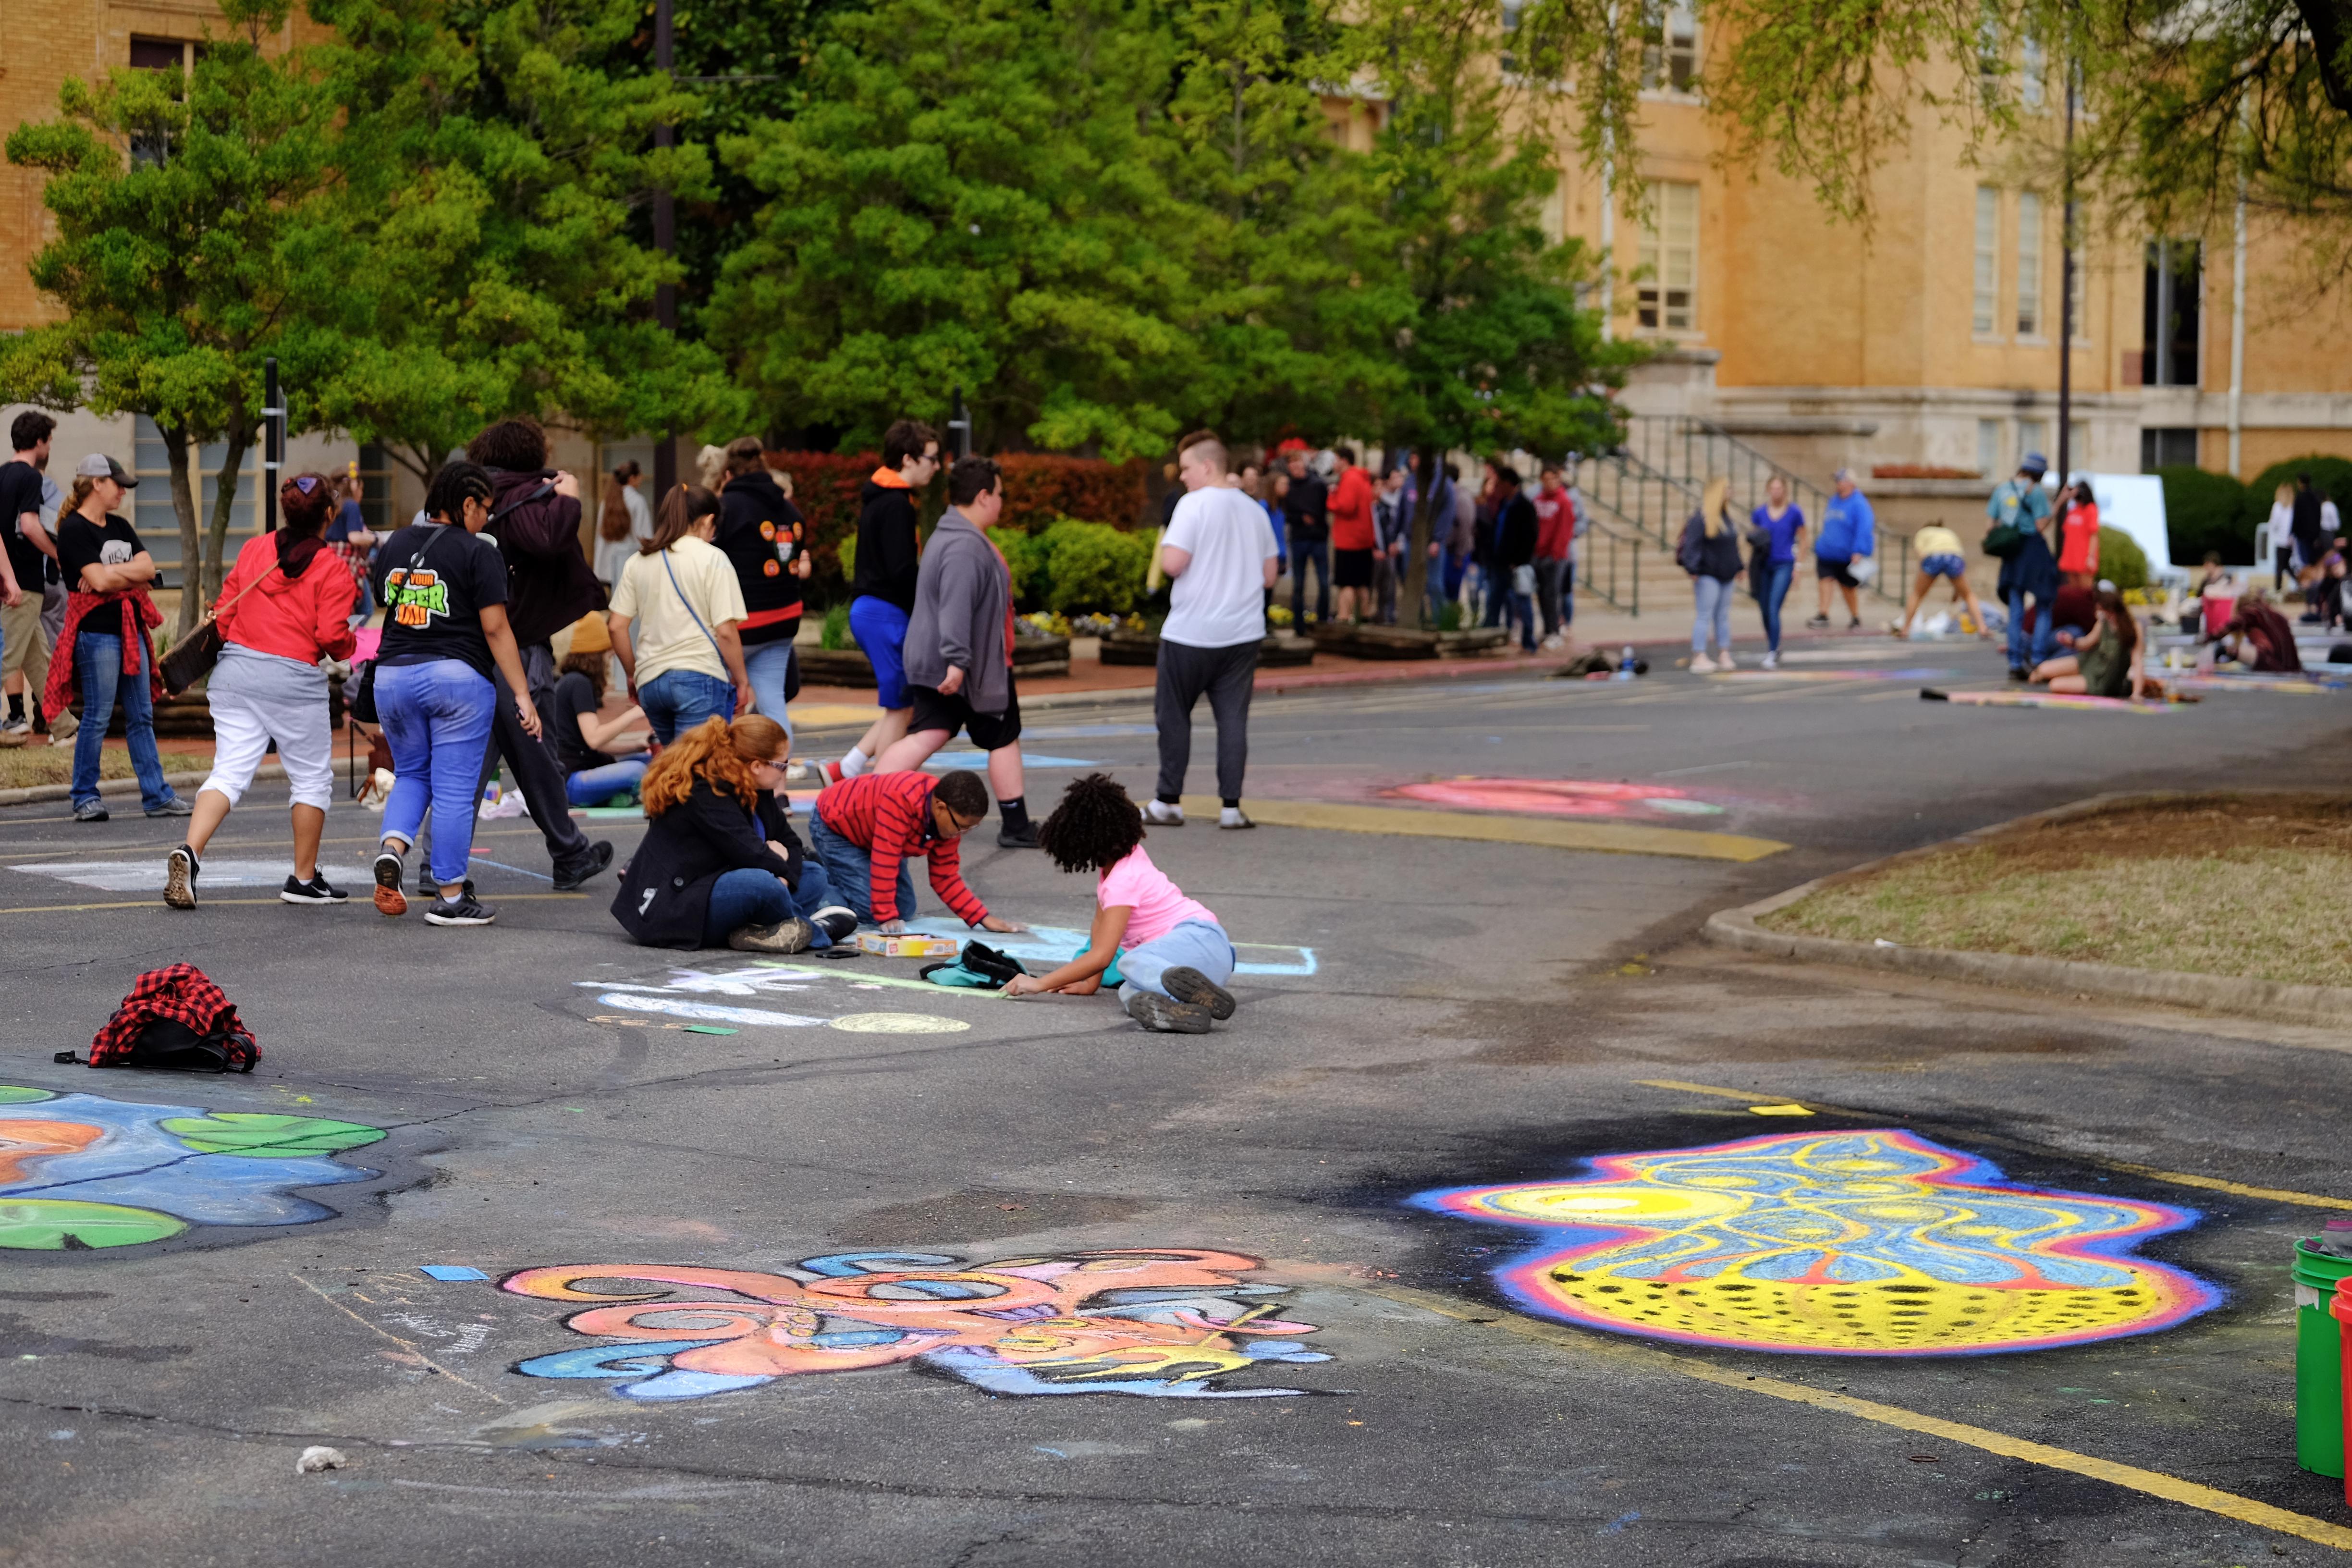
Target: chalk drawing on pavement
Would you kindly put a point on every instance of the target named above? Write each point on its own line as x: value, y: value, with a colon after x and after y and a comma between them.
x: 145, y: 875
x: 1059, y: 944
x: 1167, y: 1323
x: 1868, y: 1243
x: 899, y: 1024
x: 1557, y: 797
x: 81, y: 1172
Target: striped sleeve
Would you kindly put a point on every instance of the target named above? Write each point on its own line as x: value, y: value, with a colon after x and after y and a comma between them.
x: 947, y: 881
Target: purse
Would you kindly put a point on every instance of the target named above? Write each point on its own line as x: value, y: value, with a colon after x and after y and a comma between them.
x: 2003, y: 540
x: 192, y: 657
x: 361, y: 701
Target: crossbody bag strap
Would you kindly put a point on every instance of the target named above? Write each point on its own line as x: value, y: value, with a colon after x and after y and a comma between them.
x: 689, y: 610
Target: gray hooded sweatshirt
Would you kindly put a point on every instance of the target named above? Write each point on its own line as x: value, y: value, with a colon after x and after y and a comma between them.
x: 961, y: 593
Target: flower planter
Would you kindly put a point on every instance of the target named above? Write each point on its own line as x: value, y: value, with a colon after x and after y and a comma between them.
x: 1369, y: 641
x: 1131, y: 647
x: 1281, y: 649
x: 836, y: 666
x: 1040, y: 656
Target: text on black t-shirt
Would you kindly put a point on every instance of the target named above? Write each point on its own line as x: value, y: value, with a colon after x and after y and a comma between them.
x: 433, y: 580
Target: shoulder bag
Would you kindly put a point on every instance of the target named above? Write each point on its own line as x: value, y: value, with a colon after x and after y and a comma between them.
x: 192, y: 657
x: 363, y: 700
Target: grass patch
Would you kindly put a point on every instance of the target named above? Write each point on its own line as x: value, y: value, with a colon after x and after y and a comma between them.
x: 24, y: 766
x: 2250, y: 886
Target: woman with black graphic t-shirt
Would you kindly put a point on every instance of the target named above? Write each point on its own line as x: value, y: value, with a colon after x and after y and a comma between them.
x: 444, y: 589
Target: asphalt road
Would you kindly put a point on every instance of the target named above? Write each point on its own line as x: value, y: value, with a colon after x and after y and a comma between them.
x: 1232, y: 1317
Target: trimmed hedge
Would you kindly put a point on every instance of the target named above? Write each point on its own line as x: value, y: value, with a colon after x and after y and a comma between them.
x: 2205, y: 512
x: 2121, y: 560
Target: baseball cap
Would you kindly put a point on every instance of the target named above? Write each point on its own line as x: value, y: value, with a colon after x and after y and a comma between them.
x: 99, y: 466
x: 2036, y: 464
x: 1841, y: 474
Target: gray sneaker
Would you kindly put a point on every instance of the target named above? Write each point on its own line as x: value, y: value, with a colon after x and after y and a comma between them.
x: 1187, y: 984
x: 89, y: 811
x: 1167, y: 1015
x: 791, y: 935
x: 174, y: 807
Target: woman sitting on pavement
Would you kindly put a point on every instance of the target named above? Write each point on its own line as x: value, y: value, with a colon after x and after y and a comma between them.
x: 719, y: 866
x: 2259, y: 638
x: 1173, y: 955
x: 591, y: 775
x: 674, y: 619
x: 285, y: 605
x: 2108, y: 658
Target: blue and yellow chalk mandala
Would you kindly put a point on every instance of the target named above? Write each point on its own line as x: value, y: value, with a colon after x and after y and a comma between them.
x: 1878, y: 1243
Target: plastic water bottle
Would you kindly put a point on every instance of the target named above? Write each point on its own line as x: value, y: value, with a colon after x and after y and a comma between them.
x: 1624, y: 663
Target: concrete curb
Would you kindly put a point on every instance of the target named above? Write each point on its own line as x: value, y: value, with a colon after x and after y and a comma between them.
x: 2326, y: 1005
x: 111, y: 788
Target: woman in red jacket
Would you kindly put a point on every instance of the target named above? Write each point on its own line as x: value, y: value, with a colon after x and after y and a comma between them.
x: 287, y: 604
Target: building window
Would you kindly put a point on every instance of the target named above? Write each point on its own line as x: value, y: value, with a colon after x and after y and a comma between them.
x: 153, y: 513
x: 2029, y: 265
x: 2171, y: 319
x: 2033, y: 69
x: 2078, y: 445
x: 152, y: 143
x: 2078, y: 297
x: 2169, y: 448
x: 375, y: 489
x: 2030, y: 437
x: 1671, y: 63
x: 1988, y: 281
x: 1989, y: 448
x: 1669, y: 292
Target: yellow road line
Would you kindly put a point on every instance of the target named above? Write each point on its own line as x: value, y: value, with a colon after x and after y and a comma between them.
x: 157, y: 902
x: 2154, y: 1483
x: 1603, y: 838
x: 832, y: 715
x: 2176, y: 1178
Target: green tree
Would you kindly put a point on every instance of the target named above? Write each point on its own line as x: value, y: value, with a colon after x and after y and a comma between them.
x: 1493, y: 351
x: 492, y: 164
x: 973, y: 192
x: 186, y: 209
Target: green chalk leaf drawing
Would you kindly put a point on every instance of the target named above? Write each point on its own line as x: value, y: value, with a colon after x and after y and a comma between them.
x: 12, y: 1095
x: 60, y: 1224
x: 268, y: 1137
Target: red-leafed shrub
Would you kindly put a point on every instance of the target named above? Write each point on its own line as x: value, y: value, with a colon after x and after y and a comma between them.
x: 1921, y: 472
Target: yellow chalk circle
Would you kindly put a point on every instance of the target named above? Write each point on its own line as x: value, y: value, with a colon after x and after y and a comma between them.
x: 899, y: 1024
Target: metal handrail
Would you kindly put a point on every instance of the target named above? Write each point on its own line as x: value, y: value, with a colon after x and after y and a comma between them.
x: 1621, y: 583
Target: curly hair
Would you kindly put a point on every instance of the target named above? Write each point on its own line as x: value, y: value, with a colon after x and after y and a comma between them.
x: 307, y: 501
x: 717, y: 749
x: 1095, y: 826
x: 517, y: 445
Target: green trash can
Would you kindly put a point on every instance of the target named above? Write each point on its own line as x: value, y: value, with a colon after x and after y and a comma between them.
x: 2319, y: 1361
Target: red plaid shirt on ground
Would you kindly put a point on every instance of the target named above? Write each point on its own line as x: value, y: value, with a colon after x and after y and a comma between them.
x: 888, y: 816
x: 180, y: 992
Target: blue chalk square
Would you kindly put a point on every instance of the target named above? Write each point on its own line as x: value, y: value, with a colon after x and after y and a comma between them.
x: 453, y: 1271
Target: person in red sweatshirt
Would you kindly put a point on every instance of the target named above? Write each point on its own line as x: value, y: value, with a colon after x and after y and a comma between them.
x: 1353, y: 541
x: 286, y: 606
x: 865, y: 830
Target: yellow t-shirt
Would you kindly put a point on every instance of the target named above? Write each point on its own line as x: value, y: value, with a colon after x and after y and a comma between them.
x: 1934, y: 541
x: 663, y: 635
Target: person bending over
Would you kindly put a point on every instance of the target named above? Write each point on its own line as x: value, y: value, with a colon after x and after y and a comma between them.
x: 719, y: 866
x: 1173, y: 955
x: 867, y: 829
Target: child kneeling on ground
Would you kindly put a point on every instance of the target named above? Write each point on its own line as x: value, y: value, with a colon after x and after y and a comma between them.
x: 1173, y: 955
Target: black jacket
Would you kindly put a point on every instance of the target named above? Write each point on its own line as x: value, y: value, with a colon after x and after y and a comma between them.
x: 887, y: 555
x: 665, y: 893
x: 549, y: 584
x: 760, y: 532
x: 1516, y: 531
x: 1718, y: 558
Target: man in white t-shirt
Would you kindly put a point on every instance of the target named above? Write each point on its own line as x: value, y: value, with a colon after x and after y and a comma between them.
x: 1220, y: 557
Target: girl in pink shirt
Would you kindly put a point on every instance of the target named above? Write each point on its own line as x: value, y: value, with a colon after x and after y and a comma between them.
x: 1173, y: 956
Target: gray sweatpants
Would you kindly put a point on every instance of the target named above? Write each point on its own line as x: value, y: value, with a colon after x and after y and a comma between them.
x: 1226, y: 675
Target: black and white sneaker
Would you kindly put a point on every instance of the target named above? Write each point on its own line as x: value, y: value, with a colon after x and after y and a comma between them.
x: 1187, y: 984
x: 1166, y: 1016
x: 465, y: 909
x: 389, y: 899
x: 838, y: 923
x: 180, y: 868
x: 317, y: 890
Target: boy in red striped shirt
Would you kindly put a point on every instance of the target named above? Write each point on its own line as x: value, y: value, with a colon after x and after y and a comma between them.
x: 865, y: 829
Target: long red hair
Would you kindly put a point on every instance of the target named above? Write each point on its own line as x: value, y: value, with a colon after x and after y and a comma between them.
x: 718, y: 750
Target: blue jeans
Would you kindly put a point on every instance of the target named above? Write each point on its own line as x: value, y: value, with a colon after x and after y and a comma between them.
x: 596, y: 786
x: 677, y: 700
x: 97, y: 665
x: 438, y: 717
x: 1196, y: 944
x: 770, y: 666
x: 751, y: 897
x: 850, y: 870
x: 1776, y: 592
x: 2045, y: 632
x: 1712, y: 598
x: 1310, y: 551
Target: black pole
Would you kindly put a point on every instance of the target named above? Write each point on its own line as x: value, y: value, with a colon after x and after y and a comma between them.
x: 665, y: 241
x: 2066, y: 302
x: 960, y: 425
x: 273, y: 444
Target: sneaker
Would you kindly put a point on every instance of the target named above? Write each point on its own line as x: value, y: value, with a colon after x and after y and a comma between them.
x: 591, y: 865
x: 1231, y: 816
x: 1855, y: 624
x: 1701, y: 665
x: 2019, y: 672
x: 1159, y: 813
x: 1166, y: 1016
x: 20, y: 724
x: 1187, y: 984
x: 1727, y: 662
x: 389, y: 899
x: 1819, y: 623
x: 89, y: 811
x: 180, y: 870
x: 1022, y: 837
x: 465, y: 909
x: 791, y: 935
x: 317, y: 890
x: 1771, y: 660
x: 832, y: 774
x: 174, y: 807
x: 838, y: 924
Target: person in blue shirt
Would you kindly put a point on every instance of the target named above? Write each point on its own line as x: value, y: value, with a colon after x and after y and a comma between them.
x: 1776, y: 528
x: 2030, y: 569
x: 1848, y: 534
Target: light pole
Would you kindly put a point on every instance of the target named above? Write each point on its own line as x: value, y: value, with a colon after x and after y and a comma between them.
x: 665, y: 241
x: 273, y: 443
x: 2066, y: 297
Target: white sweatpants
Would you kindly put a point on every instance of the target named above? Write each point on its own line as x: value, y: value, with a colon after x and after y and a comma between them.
x: 243, y: 728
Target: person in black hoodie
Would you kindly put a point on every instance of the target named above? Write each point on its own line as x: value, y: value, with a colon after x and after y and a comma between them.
x: 720, y: 865
x: 535, y: 521
x: 883, y: 580
x: 1516, y: 527
x: 761, y: 532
